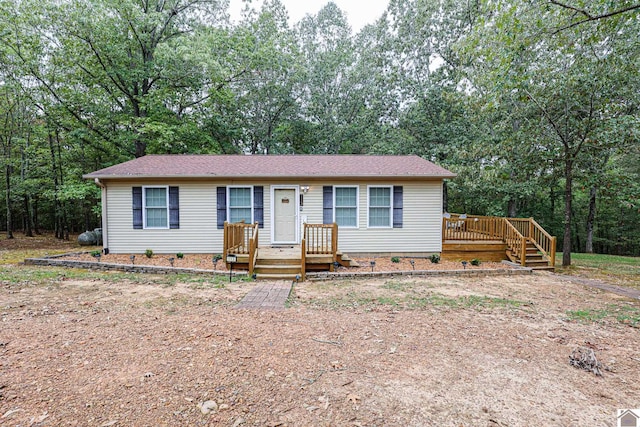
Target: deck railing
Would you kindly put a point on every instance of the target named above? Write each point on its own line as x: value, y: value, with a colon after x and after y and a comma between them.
x: 253, y: 249
x: 515, y: 241
x: 241, y: 239
x: 320, y: 239
x: 472, y: 228
x: 513, y: 231
x: 545, y: 242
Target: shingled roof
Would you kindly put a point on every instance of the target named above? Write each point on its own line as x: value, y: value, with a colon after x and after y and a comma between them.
x: 270, y: 166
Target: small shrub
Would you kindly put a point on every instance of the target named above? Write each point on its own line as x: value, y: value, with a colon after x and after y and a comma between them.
x: 179, y: 255
x: 434, y: 258
x: 95, y: 253
x: 476, y: 262
x: 217, y: 257
x: 148, y: 253
x: 395, y: 259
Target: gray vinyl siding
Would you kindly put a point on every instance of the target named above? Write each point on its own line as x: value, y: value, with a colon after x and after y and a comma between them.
x: 198, y: 232
x: 421, y: 231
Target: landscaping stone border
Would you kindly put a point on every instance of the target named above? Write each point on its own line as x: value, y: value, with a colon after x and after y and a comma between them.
x: 55, y: 261
x: 52, y: 261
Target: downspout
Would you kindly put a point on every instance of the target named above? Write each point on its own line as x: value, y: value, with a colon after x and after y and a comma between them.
x: 103, y: 199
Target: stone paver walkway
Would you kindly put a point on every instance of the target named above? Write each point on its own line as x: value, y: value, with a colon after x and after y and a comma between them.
x: 267, y: 296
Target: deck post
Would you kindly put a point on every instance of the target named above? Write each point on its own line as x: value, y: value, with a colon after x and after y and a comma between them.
x: 553, y: 251
x: 523, y: 251
x: 303, y: 259
x: 530, y: 228
x: 334, y: 242
x: 225, y: 242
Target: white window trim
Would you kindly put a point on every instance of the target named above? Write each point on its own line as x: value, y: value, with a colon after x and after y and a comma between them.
x: 357, y: 205
x: 144, y: 206
x: 390, y: 187
x: 229, y: 187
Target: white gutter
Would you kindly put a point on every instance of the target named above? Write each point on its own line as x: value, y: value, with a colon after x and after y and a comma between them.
x: 103, y: 199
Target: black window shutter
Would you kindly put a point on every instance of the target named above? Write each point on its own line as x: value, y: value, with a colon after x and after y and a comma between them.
x: 137, y: 207
x: 327, y: 204
x: 222, y: 206
x: 174, y: 207
x: 397, y: 206
x: 258, y: 205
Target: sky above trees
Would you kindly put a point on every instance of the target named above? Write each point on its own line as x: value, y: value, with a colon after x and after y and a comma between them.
x: 359, y: 12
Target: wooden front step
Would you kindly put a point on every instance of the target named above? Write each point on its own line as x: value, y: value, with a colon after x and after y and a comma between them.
x: 278, y: 263
x: 286, y: 263
x: 277, y: 269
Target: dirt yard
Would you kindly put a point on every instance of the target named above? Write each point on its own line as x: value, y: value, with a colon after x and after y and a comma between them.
x: 116, y: 349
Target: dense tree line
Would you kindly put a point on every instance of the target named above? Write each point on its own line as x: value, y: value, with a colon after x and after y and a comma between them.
x: 534, y: 104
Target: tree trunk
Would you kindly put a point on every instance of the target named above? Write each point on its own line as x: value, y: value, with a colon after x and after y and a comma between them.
x: 56, y: 203
x: 8, y: 199
x: 445, y: 197
x: 512, y: 210
x: 28, y: 230
x: 590, y: 219
x: 568, y: 195
x: 36, y: 222
x: 141, y: 148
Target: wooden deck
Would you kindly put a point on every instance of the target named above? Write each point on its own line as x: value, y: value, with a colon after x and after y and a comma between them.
x: 520, y: 240
x: 484, y: 250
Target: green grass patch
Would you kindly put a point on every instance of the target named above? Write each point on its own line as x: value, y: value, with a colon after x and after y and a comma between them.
x: 18, y: 256
x: 614, y: 269
x: 625, y: 314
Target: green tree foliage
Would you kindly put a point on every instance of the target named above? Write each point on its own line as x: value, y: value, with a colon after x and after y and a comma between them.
x: 569, y: 90
x: 533, y: 104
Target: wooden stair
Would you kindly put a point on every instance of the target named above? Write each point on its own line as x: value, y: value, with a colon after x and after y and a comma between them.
x: 278, y: 264
x: 533, y: 258
x: 286, y: 263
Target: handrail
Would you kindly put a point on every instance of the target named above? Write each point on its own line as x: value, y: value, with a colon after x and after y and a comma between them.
x: 237, y: 238
x: 545, y: 242
x: 303, y: 260
x: 253, y: 249
x: 515, y: 241
x: 321, y: 239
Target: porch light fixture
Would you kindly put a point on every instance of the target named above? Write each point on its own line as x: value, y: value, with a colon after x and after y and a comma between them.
x: 372, y: 264
x: 304, y: 188
x: 133, y: 259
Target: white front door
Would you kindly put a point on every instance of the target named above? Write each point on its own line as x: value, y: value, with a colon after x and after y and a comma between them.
x: 284, y: 212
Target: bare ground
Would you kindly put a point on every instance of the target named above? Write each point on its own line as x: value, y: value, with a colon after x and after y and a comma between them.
x: 136, y: 350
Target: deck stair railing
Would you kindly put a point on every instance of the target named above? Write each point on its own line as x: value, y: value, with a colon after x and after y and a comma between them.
x: 517, y: 233
x: 319, y: 239
x: 241, y: 238
x: 538, y: 236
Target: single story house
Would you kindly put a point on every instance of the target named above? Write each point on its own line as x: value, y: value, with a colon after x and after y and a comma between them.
x: 179, y: 203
